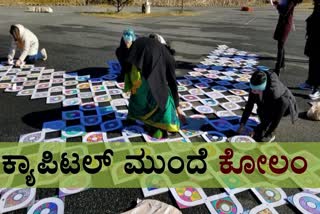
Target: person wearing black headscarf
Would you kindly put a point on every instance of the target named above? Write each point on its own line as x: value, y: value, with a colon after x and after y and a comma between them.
x: 284, y: 26
x: 312, y: 51
x: 122, y: 52
x: 152, y: 82
x: 274, y: 100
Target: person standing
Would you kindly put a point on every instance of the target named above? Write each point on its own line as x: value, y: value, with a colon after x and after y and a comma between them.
x: 284, y: 26
x: 122, y: 52
x: 312, y: 51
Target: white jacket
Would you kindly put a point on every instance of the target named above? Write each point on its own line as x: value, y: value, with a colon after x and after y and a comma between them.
x: 31, y: 44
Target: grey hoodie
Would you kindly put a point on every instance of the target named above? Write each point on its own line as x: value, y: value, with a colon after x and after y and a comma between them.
x: 31, y: 44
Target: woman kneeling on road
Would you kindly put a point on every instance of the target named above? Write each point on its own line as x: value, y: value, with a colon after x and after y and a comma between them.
x: 274, y: 100
x: 27, y: 42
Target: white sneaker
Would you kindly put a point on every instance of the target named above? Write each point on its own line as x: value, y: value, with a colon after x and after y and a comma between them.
x: 14, y: 86
x: 44, y: 54
x: 10, y: 62
x: 268, y: 139
x: 315, y: 95
x: 305, y: 86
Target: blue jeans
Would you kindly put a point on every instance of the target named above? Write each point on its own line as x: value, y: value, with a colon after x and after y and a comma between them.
x: 33, y: 58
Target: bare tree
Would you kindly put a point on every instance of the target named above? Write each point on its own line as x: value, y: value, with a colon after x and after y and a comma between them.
x: 120, y: 4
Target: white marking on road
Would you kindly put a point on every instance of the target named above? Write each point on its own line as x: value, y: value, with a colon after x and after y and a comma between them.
x: 251, y: 20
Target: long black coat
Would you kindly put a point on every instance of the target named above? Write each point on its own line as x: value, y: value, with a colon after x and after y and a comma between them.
x: 285, y: 21
x: 122, y: 53
x: 313, y: 34
x: 313, y: 46
x: 277, y: 101
x: 157, y: 66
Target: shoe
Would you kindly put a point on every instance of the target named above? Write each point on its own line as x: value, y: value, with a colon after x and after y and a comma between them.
x: 315, y: 95
x: 269, y: 138
x: 305, y: 86
x: 44, y: 54
x: 10, y: 62
x: 166, y: 134
x: 14, y: 86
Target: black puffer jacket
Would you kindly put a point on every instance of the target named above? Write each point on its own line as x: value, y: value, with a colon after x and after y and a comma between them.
x: 272, y: 101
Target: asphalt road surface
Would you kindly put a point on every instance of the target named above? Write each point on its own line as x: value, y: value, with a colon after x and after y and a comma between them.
x: 84, y: 43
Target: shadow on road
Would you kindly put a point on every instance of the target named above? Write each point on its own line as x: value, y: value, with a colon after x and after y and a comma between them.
x: 94, y: 72
x: 185, y: 65
x: 287, y: 59
x: 303, y: 116
x: 304, y: 96
x: 36, y: 119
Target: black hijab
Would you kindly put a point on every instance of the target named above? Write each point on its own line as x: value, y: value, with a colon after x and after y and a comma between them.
x: 157, y: 66
x: 122, y: 54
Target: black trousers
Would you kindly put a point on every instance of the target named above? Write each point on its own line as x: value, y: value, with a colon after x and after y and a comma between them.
x: 280, y: 58
x: 314, y: 71
x: 271, y: 117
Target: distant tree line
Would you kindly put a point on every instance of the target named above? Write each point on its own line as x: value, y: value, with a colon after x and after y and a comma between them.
x: 119, y: 4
